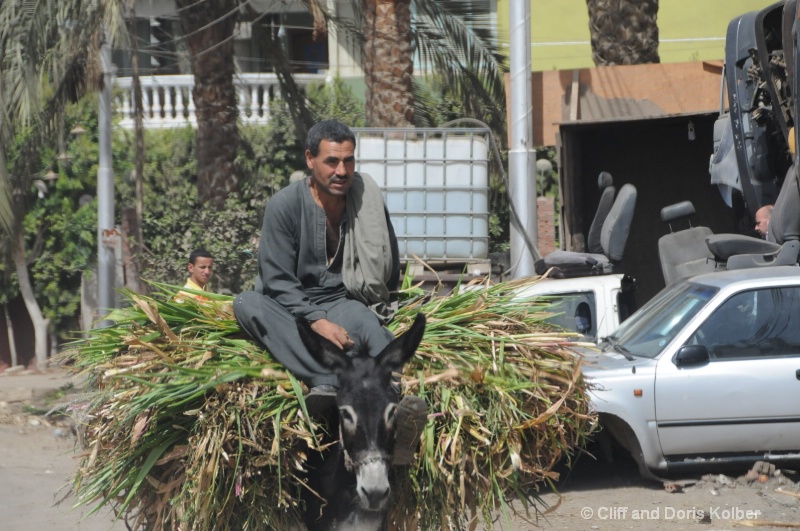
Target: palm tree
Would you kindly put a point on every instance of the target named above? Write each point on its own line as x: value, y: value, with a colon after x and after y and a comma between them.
x: 208, y: 30
x: 456, y: 42
x: 623, y: 32
x: 6, y: 211
x: 464, y: 57
x: 41, y: 46
x: 450, y: 39
x: 388, y: 63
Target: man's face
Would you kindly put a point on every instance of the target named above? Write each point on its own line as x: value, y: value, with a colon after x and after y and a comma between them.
x: 201, y: 270
x: 332, y: 169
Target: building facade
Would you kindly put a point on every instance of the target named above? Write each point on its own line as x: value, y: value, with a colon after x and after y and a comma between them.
x: 165, y: 71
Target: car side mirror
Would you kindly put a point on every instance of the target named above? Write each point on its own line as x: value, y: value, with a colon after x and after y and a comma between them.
x: 691, y: 355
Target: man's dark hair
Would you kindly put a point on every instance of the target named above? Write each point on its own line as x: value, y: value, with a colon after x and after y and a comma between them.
x: 199, y: 253
x: 330, y: 130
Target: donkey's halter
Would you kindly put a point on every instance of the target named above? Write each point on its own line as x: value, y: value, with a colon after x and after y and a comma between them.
x: 351, y: 465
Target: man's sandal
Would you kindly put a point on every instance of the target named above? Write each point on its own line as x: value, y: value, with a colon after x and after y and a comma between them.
x: 412, y: 415
x: 320, y: 399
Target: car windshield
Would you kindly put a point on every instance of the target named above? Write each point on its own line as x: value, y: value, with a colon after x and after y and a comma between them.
x: 648, y: 331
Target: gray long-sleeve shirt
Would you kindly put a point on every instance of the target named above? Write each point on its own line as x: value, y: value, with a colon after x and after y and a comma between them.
x: 293, y: 262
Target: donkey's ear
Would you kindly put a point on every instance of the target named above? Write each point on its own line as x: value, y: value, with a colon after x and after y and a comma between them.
x: 321, y: 349
x: 403, y: 348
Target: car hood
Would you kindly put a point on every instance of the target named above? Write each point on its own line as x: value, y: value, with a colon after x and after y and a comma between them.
x: 598, y: 364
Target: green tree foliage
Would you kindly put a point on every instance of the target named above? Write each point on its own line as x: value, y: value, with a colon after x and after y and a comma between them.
x: 65, y: 232
x: 61, y: 221
x: 336, y: 100
x: 269, y: 155
x: 174, y: 222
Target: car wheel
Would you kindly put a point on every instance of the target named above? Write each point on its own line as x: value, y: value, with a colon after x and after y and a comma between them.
x: 627, y: 439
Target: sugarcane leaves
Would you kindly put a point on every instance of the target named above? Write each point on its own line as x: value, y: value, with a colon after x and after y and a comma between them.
x: 151, y: 347
x: 142, y: 420
x: 154, y: 455
x: 511, y: 406
x: 298, y: 392
x: 546, y: 415
x: 506, y: 392
x: 152, y: 314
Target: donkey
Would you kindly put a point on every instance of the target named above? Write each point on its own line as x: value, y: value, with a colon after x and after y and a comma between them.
x: 353, y: 478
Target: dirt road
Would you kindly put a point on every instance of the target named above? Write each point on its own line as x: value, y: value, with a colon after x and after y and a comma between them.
x: 612, y: 497
x: 37, y: 457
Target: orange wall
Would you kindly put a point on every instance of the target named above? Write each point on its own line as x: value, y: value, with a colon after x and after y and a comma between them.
x: 623, y: 92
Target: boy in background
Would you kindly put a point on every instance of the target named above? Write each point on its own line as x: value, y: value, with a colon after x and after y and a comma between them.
x: 200, y: 266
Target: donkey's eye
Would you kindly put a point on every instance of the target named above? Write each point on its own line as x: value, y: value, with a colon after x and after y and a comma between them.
x: 348, y: 417
x: 389, y: 414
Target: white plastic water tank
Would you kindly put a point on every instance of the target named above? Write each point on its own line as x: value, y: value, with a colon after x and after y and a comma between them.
x: 436, y: 186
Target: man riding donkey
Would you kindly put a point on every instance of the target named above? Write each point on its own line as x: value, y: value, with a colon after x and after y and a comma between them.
x: 328, y: 253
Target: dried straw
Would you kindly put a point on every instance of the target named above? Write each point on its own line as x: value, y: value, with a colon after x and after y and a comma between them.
x: 191, y: 426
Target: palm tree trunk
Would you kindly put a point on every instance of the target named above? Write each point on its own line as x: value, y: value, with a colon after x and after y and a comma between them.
x: 388, y: 63
x: 17, y: 238
x: 623, y: 32
x: 208, y: 27
x: 26, y: 289
x: 12, y: 344
x: 135, y: 235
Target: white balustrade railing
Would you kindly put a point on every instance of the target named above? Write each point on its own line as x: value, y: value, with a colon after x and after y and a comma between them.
x: 168, y: 102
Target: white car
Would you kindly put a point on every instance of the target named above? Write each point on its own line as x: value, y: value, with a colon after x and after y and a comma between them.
x: 708, y: 371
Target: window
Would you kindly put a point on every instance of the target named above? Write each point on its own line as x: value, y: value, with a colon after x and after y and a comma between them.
x: 572, y: 311
x: 649, y: 331
x: 753, y: 324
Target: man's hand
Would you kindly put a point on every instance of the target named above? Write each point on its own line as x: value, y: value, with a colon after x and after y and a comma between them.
x: 333, y: 332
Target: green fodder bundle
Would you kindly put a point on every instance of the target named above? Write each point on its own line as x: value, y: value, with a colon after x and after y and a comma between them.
x: 191, y: 426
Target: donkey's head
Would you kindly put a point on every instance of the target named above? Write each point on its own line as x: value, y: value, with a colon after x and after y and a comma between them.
x: 367, y: 404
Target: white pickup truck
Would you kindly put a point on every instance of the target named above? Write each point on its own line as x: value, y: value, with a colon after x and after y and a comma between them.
x: 593, y: 306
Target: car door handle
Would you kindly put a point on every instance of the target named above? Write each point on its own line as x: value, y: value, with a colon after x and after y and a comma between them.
x: 797, y: 374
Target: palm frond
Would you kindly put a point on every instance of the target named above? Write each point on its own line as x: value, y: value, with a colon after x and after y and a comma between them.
x: 46, y: 49
x: 459, y: 47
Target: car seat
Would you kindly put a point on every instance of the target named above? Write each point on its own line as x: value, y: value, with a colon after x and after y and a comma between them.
x: 783, y: 234
x: 613, y: 237
x: 605, y: 182
x: 683, y: 253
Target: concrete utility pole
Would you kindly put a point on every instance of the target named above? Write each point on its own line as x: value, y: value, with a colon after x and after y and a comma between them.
x: 106, y: 267
x: 522, y: 155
